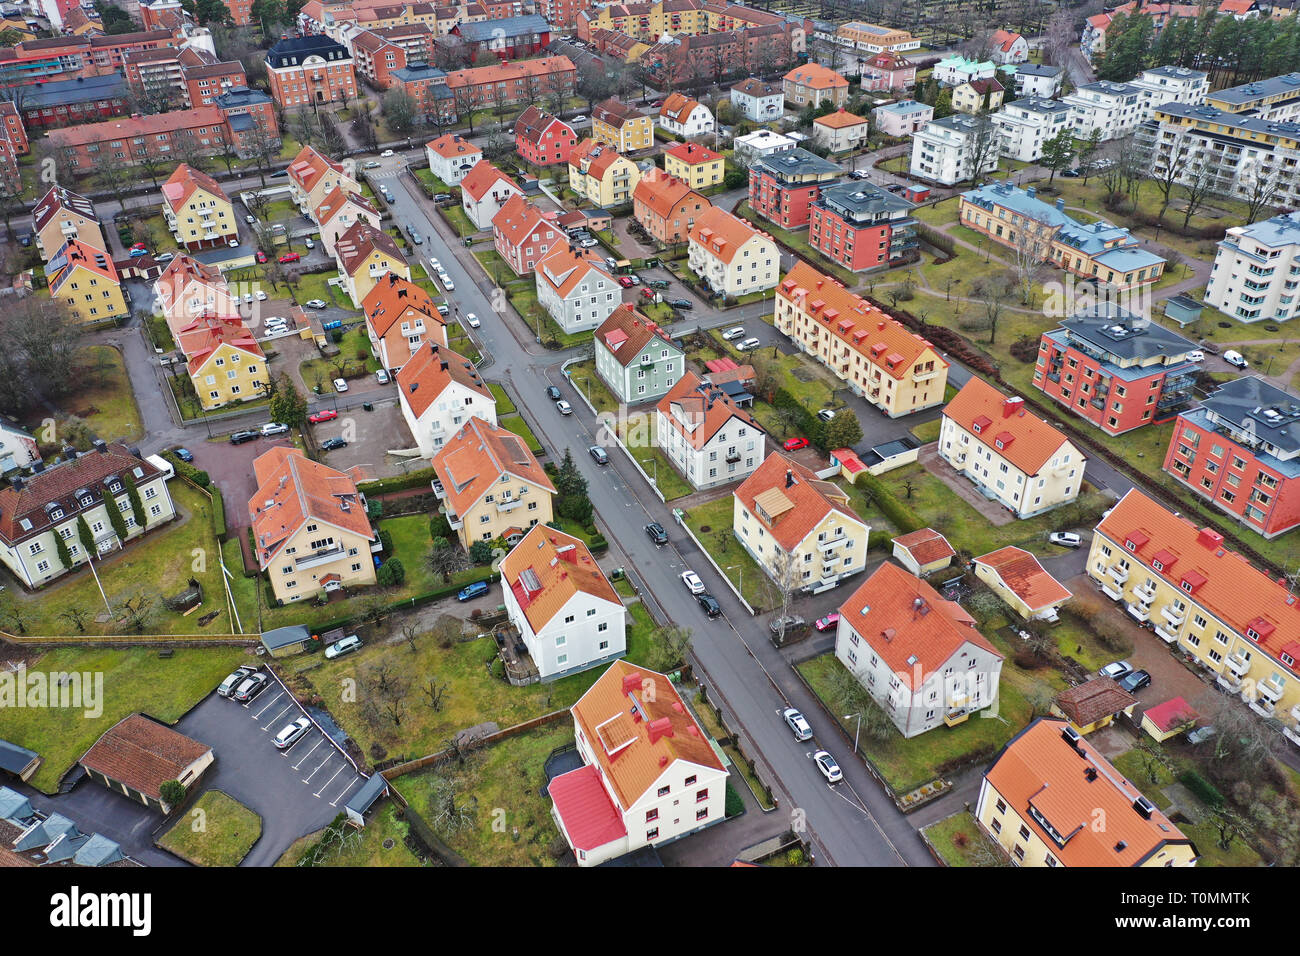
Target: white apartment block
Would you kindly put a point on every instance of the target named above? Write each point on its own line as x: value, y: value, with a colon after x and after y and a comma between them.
x: 1025, y: 125
x: 1035, y: 80
x: 1256, y: 274
x: 577, y: 293
x: 1170, y: 84
x: 1113, y: 108
x: 945, y: 150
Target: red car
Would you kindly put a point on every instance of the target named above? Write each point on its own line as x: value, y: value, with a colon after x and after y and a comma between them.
x: 290, y: 257
x: 827, y: 622
x: 794, y: 444
x: 626, y: 282
x: 261, y: 256
x: 139, y: 245
x: 647, y: 293
x: 325, y: 416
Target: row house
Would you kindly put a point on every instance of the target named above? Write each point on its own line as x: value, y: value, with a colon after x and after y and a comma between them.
x: 484, y: 191
x: 798, y: 529
x: 522, y: 81
x: 224, y: 362
x: 666, y: 207
x: 365, y: 255
x: 57, y: 103
x: 783, y: 187
x: 542, y: 139
x: 400, y: 318
x: 198, y: 213
x: 86, y: 280
x: 705, y: 435
x: 688, y: 17
x: 874, y: 354
x: 602, y: 175
x: 61, y: 215
x: 1024, y: 125
x: 685, y: 117
x: 338, y: 212
x: 1206, y: 601
x: 310, y: 70
x: 130, y: 141
x: 575, y: 289
x: 1256, y: 271
x: 1015, y: 458
x: 758, y: 101
x: 1115, y: 369
x: 861, y: 226
x: 618, y: 46
x: 451, y: 157
x: 523, y: 234
x: 313, y: 176
x: 636, y: 357
x: 948, y: 150
x: 439, y: 391
x: 730, y: 256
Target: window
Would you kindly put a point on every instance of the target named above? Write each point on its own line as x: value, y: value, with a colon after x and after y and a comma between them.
x: 1002, y: 806
x: 652, y: 815
x: 652, y: 834
x: 663, y: 791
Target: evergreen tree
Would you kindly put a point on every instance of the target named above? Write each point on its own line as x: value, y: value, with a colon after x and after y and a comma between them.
x: 133, y: 496
x: 65, y: 557
x: 115, y: 519
x: 844, y: 430
x: 87, y: 539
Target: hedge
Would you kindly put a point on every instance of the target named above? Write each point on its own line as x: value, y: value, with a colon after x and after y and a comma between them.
x: 812, y: 427
x: 903, y: 517
x: 218, y: 512
x: 936, y: 238
x: 1202, y: 788
x: 411, y: 479
x: 199, y: 477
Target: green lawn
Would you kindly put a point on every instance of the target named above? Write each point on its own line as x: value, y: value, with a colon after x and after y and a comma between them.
x: 216, y: 830
x: 584, y: 378
x: 927, y: 432
x: 103, y: 399
x: 326, y: 370
x: 358, y: 848
x: 460, y: 221
x: 516, y: 424
x: 134, y: 680
x: 721, y: 544
x: 315, y: 285
x: 961, y: 842
x: 504, y: 405
x: 637, y: 432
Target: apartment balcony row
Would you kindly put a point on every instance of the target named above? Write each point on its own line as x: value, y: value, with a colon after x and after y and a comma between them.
x: 1166, y: 633
x: 1237, y: 665
x: 1119, y: 573
x: 1145, y: 593
x: 317, y: 558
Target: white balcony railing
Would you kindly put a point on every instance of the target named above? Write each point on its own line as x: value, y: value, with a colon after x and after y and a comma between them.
x: 1138, y: 612
x: 1174, y: 615
x: 1228, y: 683
x: 1270, y: 690
x: 1112, y: 592
x: 1146, y: 593
x: 1119, y: 573
x: 1264, y: 707
x: 1166, y: 635
x: 1237, y: 665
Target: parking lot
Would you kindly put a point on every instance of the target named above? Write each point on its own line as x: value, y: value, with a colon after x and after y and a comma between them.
x: 296, y: 791
x: 370, y: 436
x: 231, y: 469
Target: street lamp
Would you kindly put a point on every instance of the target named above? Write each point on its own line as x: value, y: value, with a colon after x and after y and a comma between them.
x: 740, y: 576
x: 857, y: 731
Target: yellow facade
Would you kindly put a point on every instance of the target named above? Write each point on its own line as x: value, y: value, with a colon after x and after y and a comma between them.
x: 292, y: 581
x: 92, y: 297
x: 69, y: 224
x: 637, y: 133
x: 488, y: 520
x: 614, y: 188
x: 202, y: 220
x: 229, y: 375
x: 966, y: 99
x: 814, y: 557
x: 369, y: 271
x: 695, y: 175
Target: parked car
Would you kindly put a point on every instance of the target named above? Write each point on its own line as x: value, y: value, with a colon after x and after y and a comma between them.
x: 250, y: 219
x: 692, y: 582
x: 345, y: 646
x: 184, y: 454
x: 290, y: 257
x: 552, y: 393
x: 895, y: 187
x: 340, y: 385
x: 647, y: 293
x: 707, y: 601
x: 382, y: 376
x: 1070, y: 174
x: 1135, y: 681
x: 274, y: 428
x: 385, y: 154
x: 416, y: 238
x: 293, y: 733
x: 165, y: 257
x: 748, y: 344
x: 794, y: 444
x: 800, y: 726
x: 261, y: 256
x: 442, y: 198
x: 681, y: 304
x: 238, y: 438
x: 1116, y: 670
x: 446, y: 281
x: 785, y: 624
x: 598, y: 454
x: 1196, y: 355
x: 372, y: 164
x: 442, y: 308
x: 825, y: 414
x: 248, y: 298
x: 328, y: 415
x: 138, y: 245
x: 260, y: 296
x: 827, y: 622
x: 333, y: 444
x: 578, y: 120
x: 309, y: 243
x: 656, y: 533
x: 1235, y: 358
x: 735, y: 332
x: 626, y: 282
x: 588, y: 243
x: 253, y: 685
x: 137, y: 253
x: 472, y: 320
x: 859, y: 174
x: 827, y: 765
x: 234, y: 680
x: 1066, y: 539
x: 564, y: 407
x: 472, y: 591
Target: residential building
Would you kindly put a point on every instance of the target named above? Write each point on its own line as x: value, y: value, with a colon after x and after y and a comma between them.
x: 902, y: 118
x: 800, y: 531
x: 876, y: 355
x: 643, y: 757
x: 313, y: 176
x: 861, y: 226
x: 338, y: 212
x: 310, y: 529
x: 196, y: 209
x: 872, y: 38
x: 188, y: 290
x: 39, y: 510
x: 400, y: 318
x: 758, y: 101
x: 1009, y: 47
x: 1044, y: 792
x: 636, y: 358
x: 948, y: 150
x: 1092, y: 41
x: 621, y: 127
x: 887, y: 71
x: 364, y: 255
x: 1092, y: 705
x: 666, y: 207
x: 955, y: 70
x: 599, y: 173
x: 1116, y: 369
x: 704, y: 434
x: 440, y: 391
x: 542, y: 139
x: 1017, y: 578
x: 18, y: 449
x: 1024, y: 125
x: 56, y: 103
x: 618, y: 45
x: 575, y: 289
x: 137, y: 755
x: 491, y: 486
x: 567, y: 613
x: 129, y: 141
x: 11, y: 126
x: 520, y: 81
x: 920, y: 657
x: 250, y: 115
x: 224, y: 361
x: 685, y: 117
x: 509, y: 38
x: 697, y: 166
x: 754, y: 146
x: 1017, y: 219
x: 378, y: 52
x: 1034, y: 79
x: 1013, y: 457
x: 86, y: 279
x: 427, y: 86
x: 1276, y: 98
x: 840, y: 131
x: 310, y: 70
x: 523, y: 234
x: 484, y: 192
x: 68, y: 57
x: 1110, y: 109
x: 61, y: 215
x: 811, y: 84
x: 1257, y: 270
x: 923, y: 552
x: 732, y: 257
x: 783, y: 187
x: 1170, y: 84
x: 977, y: 96
x: 1236, y: 449
x: 561, y: 13
x: 451, y: 157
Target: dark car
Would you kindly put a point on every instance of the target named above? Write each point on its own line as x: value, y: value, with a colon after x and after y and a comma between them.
x: 472, y: 591
x: 657, y: 533
x: 330, y: 444
x: 278, y: 173
x: 1070, y: 174
x: 442, y: 198
x: 681, y: 303
x: 253, y: 685
x: 553, y: 393
x: 184, y: 454
x: 238, y: 438
x: 895, y: 187
x: 1134, y: 682
x: 711, y: 607
x: 598, y: 454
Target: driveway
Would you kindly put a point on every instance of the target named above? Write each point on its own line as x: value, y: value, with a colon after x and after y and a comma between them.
x: 231, y: 469
x: 96, y: 809
x: 370, y: 437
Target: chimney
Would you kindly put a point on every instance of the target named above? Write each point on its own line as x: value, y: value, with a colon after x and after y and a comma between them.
x: 631, y: 682
x: 1012, y: 405
x: 101, y: 446
x: 789, y: 478
x: 658, y: 729
x: 18, y: 482
x: 1210, y: 539
x: 1031, y: 192
x: 1060, y: 205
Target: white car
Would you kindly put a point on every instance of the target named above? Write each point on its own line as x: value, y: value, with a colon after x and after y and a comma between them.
x: 1236, y: 359
x: 274, y: 428
x: 748, y: 344
x: 825, y: 414
x: 248, y: 298
x: 800, y: 726
x: 310, y: 243
x: 692, y: 582
x: 340, y: 385
x: 1066, y: 539
x: 446, y: 282
x: 345, y: 646
x: 564, y: 407
x: 588, y: 243
x: 385, y: 154
x: 437, y: 266
x: 1196, y: 355
x: 735, y: 332
x: 259, y: 295
x: 827, y: 765
x: 472, y: 320
x: 292, y: 734
x: 370, y: 165
x: 1116, y: 670
x: 250, y: 219
x: 382, y: 376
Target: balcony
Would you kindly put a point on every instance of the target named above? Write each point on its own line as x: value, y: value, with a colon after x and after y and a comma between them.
x: 1238, y: 665
x: 1119, y: 573
x: 830, y: 545
x: 1112, y: 592
x: 1173, y: 615
x: 1270, y: 691
x: 1167, y: 635
x: 1264, y: 707
x: 1139, y: 613
x: 317, y: 558
x: 1228, y: 683
x: 1146, y: 593
x: 436, y: 484
x: 455, y: 521
x: 925, y: 376
x: 956, y: 716
x: 509, y: 504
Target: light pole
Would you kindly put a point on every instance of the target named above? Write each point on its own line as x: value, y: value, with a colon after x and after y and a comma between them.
x: 90, y: 560
x: 857, y: 730
x: 740, y: 576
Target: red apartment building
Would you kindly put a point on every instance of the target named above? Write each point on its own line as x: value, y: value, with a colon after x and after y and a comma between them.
x: 524, y: 234
x: 1115, y: 369
x: 128, y: 141
x: 427, y: 86
x: 13, y: 127
x: 310, y: 70
x: 1240, y: 451
x: 521, y: 82
x: 861, y: 226
x: 380, y: 51
x: 783, y: 186
x: 543, y: 140
x: 241, y: 11
x: 66, y: 58
x: 561, y: 13
x: 195, y: 77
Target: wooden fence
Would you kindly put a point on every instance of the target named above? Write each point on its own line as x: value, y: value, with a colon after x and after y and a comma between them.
x: 127, y: 640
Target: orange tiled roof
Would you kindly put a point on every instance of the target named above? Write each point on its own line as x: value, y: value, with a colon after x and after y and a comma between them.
x: 678, y: 107
x: 698, y: 411
x: 356, y: 245
x: 926, y: 545
x: 599, y: 157
x: 73, y: 255
x: 1027, y: 579
x: 840, y: 119
x: 184, y: 181
x: 512, y: 70
x: 292, y: 488
x: 1004, y: 40
x: 477, y: 456
x: 337, y: 201
x: 565, y: 265
x: 310, y: 165
x: 913, y: 642
x: 451, y: 145
x: 203, y: 337
x: 561, y: 567
x: 811, y: 499
x: 428, y: 373
x: 693, y: 154
x: 1026, y: 440
x: 817, y: 77
x: 132, y: 127
x: 142, y: 754
x: 662, y: 193
x: 1039, y: 769
x: 394, y: 298
x: 479, y: 180
x: 519, y: 219
x: 721, y: 234
x: 626, y: 332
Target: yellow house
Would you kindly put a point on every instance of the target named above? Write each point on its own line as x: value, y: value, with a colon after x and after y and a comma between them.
x: 1051, y: 799
x: 800, y: 530
x: 313, y: 176
x: 310, y: 529
x: 695, y: 165
x: 1016, y: 577
x: 978, y: 96
x: 730, y: 255
x: 365, y: 255
x: 86, y: 279
x: 1208, y: 602
x: 197, y: 211
x: 62, y: 215
x: 1092, y: 705
x: 621, y: 126
x: 491, y: 485
x: 599, y: 173
x: 923, y: 552
x: 224, y: 361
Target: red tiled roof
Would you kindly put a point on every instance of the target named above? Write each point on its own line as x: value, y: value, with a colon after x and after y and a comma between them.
x: 693, y: 154
x: 451, y: 145
x: 142, y: 754
x: 626, y: 332
x: 810, y: 499
x: 428, y: 373
x: 1093, y: 700
x: 1172, y: 714
x: 698, y: 411
x: 480, y: 180
x: 292, y: 488
x: 1027, y: 579
x: 476, y: 457
x: 362, y: 239
x: 925, y: 546
x: 589, y: 816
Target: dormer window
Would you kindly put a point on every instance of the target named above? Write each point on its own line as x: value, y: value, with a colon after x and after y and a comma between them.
x: 1252, y: 634
x: 1128, y: 543
x: 1157, y: 565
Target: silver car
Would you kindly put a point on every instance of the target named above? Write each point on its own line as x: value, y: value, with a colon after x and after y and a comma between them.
x: 293, y: 733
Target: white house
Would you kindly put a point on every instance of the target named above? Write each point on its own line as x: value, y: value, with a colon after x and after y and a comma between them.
x: 956, y: 70
x: 1113, y: 108
x: 17, y: 448
x: 685, y: 117
x: 731, y: 256
x: 705, y: 435
x: 1254, y: 274
x: 1009, y: 47
x: 566, y: 611
x: 574, y: 288
x: 920, y: 656
x: 1170, y: 84
x: 758, y: 101
x: 759, y: 145
x: 1025, y: 125
x: 947, y: 150
x: 439, y: 391
x: 451, y: 157
x: 483, y: 191
x: 649, y: 776
x: 902, y: 118
x: 1035, y: 79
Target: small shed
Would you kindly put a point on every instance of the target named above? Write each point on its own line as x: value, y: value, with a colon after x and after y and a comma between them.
x: 916, y: 193
x: 1169, y: 719
x: 1016, y: 577
x: 365, y: 798
x: 1183, y: 309
x: 597, y: 219
x: 287, y: 641
x: 18, y: 761
x: 892, y: 454
x: 923, y: 552
x: 848, y: 462
x: 1093, y: 704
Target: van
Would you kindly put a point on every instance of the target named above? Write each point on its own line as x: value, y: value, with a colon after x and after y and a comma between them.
x: 345, y: 646
x: 1235, y: 358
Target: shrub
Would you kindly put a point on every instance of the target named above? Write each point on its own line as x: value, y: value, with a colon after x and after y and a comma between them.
x: 336, y: 336
x: 733, y: 804
x: 480, y: 552
x: 386, y: 540
x: 903, y: 517
x: 1025, y: 348
x: 439, y: 527
x: 412, y: 479
x: 960, y: 839
x: 1202, y: 788
x: 391, y: 573
x: 794, y: 857
x: 172, y: 791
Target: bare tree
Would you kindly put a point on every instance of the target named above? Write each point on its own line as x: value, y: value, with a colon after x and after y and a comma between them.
x: 992, y: 293
x: 1258, y: 187
x: 1165, y: 167
x: 1030, y: 246
x: 984, y: 145
x: 1197, y: 185
x: 786, y: 574
x: 436, y: 692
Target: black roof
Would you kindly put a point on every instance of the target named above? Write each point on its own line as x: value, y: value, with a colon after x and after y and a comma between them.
x: 1119, y: 332
x: 1254, y: 406
x: 291, y: 51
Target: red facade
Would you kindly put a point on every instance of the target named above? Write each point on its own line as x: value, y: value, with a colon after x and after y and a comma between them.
x: 851, y: 246
x: 1078, y: 381
x: 787, y: 206
x: 547, y: 146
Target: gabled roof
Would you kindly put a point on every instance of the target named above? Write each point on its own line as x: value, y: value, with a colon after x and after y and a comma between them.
x: 565, y: 266
x: 1093, y: 700
x: 130, y: 127
x: 595, y: 159
x: 985, y: 86
x: 75, y: 255
x: 184, y: 181
x: 925, y: 546
x: 180, y: 273
x: 790, y: 501
x: 142, y: 754
x: 533, y: 123
x: 518, y: 219
x: 757, y: 88
x: 546, y: 569
x: 817, y: 77
x: 1004, y: 40
x: 662, y: 193
x: 913, y: 629
x: 480, y: 180
x: 430, y: 371
x: 1025, y: 440
x: 355, y: 246
x: 693, y: 154
x: 477, y: 456
x: 512, y: 70
x: 615, y: 112
x: 677, y: 107
x: 636, y: 735
x: 1027, y: 579
x: 453, y: 146
x: 310, y: 165
x: 626, y: 332
x: 697, y: 411
x: 840, y: 119
x: 722, y: 235
x: 59, y: 199
x: 204, y: 337
x: 291, y: 488
x: 1171, y: 714
x: 337, y: 200
x: 392, y: 299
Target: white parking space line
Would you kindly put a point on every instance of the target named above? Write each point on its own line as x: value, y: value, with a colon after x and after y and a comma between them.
x: 269, y: 704
x: 306, y: 736
x: 271, y: 723
x: 329, y: 781
x: 345, y: 791
x: 307, y: 779
x: 307, y: 754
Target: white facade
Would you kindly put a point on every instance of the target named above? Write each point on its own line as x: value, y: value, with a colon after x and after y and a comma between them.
x: 1044, y: 81
x: 759, y: 145
x: 452, y: 169
x: 1170, y: 84
x: 1017, y: 51
x: 698, y: 122
x: 762, y: 108
x: 944, y: 151
x: 1256, y: 273
x: 902, y: 118
x: 754, y: 267
x: 1024, y: 495
x: 1113, y: 108
x: 483, y: 210
x: 585, y: 631
x: 17, y: 448
x: 956, y: 70
x: 445, y: 416
x: 708, y: 465
x: 588, y: 301
x: 1025, y: 125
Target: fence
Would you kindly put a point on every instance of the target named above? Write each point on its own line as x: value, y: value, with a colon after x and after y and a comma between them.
x: 128, y: 640
x: 705, y: 551
x: 431, y: 760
